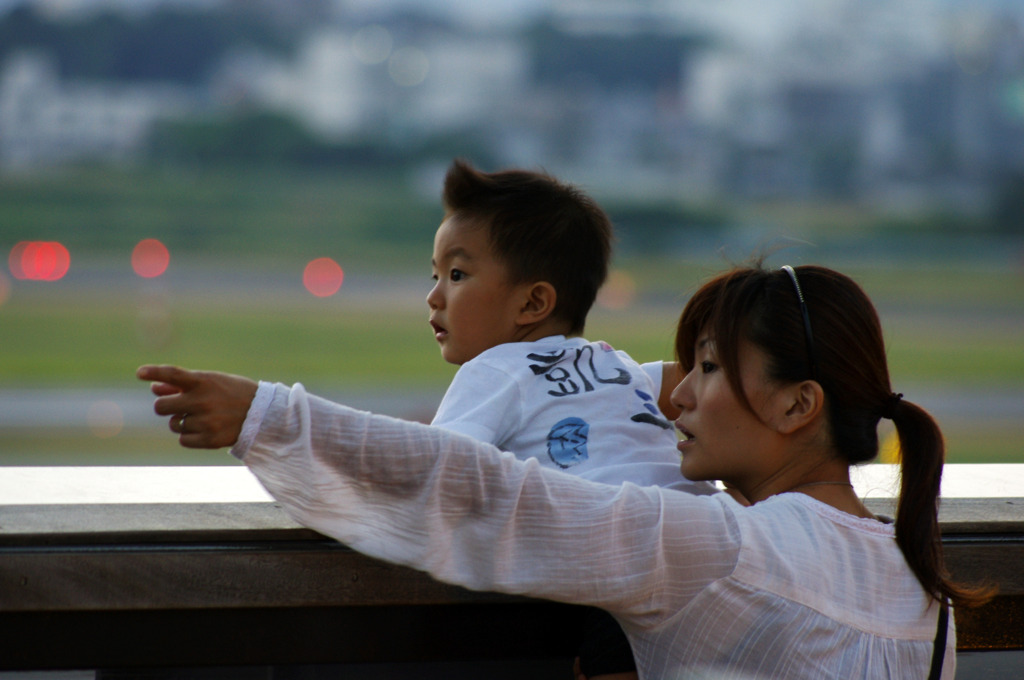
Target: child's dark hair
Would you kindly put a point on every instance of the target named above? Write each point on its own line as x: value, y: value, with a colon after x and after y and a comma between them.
x: 540, y: 228
x: 839, y: 344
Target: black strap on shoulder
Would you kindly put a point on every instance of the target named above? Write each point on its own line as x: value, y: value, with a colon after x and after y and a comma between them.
x: 939, y: 651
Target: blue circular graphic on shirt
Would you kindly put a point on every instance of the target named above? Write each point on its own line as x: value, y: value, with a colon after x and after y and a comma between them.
x: 567, y: 442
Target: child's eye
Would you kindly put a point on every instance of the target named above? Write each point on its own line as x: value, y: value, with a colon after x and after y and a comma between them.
x: 707, y: 367
x: 457, y: 275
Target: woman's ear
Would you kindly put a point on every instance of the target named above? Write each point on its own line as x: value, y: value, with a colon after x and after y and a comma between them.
x: 538, y: 303
x: 803, y: 402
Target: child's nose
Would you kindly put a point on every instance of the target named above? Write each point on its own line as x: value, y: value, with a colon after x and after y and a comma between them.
x: 434, y: 297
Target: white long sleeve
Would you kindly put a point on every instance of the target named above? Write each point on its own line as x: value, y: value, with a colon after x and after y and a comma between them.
x: 787, y: 588
x: 469, y: 514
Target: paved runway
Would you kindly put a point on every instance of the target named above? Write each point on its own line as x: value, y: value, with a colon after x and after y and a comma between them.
x: 72, y: 407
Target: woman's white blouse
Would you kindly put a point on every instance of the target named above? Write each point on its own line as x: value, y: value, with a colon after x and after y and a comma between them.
x: 788, y: 588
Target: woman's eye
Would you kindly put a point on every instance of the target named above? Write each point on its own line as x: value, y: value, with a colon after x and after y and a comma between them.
x: 707, y: 367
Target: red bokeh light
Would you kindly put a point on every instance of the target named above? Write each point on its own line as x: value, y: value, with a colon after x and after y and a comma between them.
x: 150, y: 258
x: 323, y: 277
x: 39, y: 261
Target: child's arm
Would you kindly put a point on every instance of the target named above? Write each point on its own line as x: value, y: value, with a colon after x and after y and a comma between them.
x: 206, y: 409
x: 671, y: 376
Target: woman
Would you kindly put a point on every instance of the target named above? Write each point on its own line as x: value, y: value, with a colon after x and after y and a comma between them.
x: 785, y: 382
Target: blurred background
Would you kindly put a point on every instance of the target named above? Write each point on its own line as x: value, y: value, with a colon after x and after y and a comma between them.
x: 253, y: 186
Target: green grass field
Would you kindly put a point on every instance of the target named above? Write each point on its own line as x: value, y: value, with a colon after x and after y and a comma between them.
x: 50, y: 338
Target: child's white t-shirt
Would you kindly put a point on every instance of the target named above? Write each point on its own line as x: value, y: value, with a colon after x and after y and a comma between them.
x: 576, y: 406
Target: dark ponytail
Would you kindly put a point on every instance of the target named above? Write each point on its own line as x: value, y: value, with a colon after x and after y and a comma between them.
x: 922, y: 455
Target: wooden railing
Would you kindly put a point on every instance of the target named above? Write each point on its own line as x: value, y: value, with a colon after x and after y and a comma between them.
x: 184, y: 569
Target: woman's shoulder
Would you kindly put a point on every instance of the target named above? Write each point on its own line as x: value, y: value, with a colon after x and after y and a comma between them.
x: 846, y: 567
x: 793, y: 532
x: 804, y: 508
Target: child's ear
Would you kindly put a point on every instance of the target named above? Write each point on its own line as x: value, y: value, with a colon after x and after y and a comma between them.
x: 801, y: 404
x: 538, y: 303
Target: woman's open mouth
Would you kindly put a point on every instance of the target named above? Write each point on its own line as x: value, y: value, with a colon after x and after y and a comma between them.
x: 686, y: 437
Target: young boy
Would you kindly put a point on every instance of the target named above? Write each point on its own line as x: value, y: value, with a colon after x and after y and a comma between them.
x: 518, y: 261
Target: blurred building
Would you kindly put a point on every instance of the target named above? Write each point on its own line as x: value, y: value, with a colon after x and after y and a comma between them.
x: 45, y: 121
x: 348, y: 82
x: 880, y: 106
x: 900, y: 103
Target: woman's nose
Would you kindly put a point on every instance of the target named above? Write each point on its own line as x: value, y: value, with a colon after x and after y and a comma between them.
x: 682, y: 395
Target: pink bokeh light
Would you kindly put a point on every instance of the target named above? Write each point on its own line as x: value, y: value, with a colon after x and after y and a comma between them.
x: 150, y: 258
x: 323, y: 277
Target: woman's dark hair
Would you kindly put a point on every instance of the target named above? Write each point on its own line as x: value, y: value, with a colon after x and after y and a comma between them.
x: 542, y: 229
x: 839, y: 344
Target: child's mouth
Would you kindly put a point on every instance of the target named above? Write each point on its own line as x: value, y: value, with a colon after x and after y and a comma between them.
x: 439, y: 332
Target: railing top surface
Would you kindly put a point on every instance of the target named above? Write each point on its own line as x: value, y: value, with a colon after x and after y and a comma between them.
x: 234, y: 484
x: 104, y: 504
